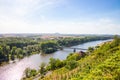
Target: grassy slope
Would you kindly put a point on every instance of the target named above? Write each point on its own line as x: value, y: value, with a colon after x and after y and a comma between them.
x: 102, y: 64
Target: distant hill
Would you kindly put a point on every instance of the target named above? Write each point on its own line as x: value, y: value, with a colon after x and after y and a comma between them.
x: 48, y: 34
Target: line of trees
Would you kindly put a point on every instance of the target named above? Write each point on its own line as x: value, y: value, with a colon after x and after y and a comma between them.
x: 7, y: 54
x: 52, y: 46
x: 13, y: 47
x: 75, y: 41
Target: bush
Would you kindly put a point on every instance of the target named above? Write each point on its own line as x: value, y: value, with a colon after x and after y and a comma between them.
x: 42, y: 69
x: 54, y: 64
x: 30, y: 72
x: 71, y: 64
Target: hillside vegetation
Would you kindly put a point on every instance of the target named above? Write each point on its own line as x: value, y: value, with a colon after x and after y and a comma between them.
x: 103, y: 63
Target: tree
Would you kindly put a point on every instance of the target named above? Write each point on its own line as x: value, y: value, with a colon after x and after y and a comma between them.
x: 59, y: 63
x: 49, y: 47
x: 19, y: 53
x: 52, y: 63
x: 2, y: 56
x: 30, y: 72
x: 90, y: 49
x: 13, y: 53
x: 27, y: 72
x: 7, y: 52
x: 116, y: 41
x: 42, y: 69
x: 71, y: 64
x: 33, y: 72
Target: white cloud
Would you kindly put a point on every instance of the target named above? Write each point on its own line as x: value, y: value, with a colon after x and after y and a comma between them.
x: 24, y: 7
x: 13, y: 13
x: 86, y: 27
x: 80, y: 27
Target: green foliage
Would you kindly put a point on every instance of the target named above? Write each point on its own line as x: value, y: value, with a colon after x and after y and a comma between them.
x: 71, y: 64
x: 54, y: 64
x: 102, y: 64
x: 42, y: 69
x: 109, y: 69
x: 4, y: 53
x: 30, y: 72
x: 18, y: 52
x: 49, y: 47
x: 12, y: 48
x: 18, y: 42
x: 74, y: 56
x: 75, y: 41
x: 27, y: 72
x: 19, y: 47
x: 90, y: 49
x: 33, y: 72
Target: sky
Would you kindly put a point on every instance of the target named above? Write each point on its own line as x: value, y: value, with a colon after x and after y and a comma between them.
x: 60, y: 16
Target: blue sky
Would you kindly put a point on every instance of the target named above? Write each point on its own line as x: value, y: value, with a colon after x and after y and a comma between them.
x: 61, y: 16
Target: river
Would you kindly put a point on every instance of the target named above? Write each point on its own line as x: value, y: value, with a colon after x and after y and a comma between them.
x: 14, y: 71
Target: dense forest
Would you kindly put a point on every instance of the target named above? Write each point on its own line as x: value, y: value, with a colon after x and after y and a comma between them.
x: 12, y: 48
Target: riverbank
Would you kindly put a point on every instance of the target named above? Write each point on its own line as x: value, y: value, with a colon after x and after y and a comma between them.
x: 102, y: 63
x: 75, y: 56
x: 18, y: 48
x: 34, y: 61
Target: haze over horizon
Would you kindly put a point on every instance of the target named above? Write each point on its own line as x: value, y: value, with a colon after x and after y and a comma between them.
x: 61, y: 16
